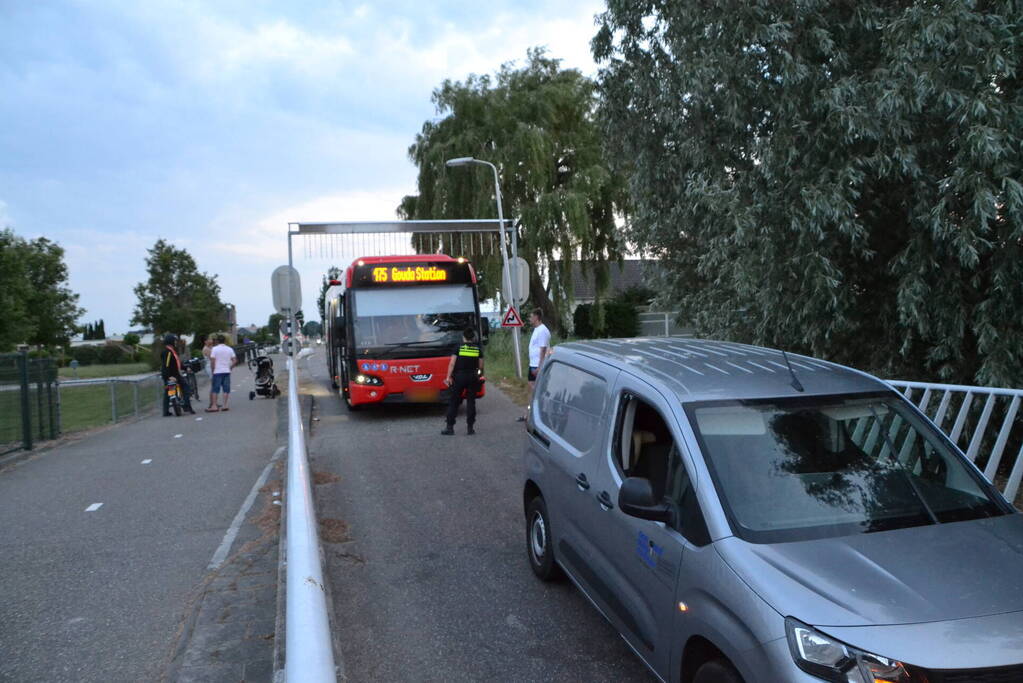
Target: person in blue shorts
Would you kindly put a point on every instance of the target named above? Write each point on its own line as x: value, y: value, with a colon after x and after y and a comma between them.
x: 223, y: 359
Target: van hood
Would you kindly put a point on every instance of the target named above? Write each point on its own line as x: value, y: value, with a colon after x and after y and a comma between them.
x: 906, y: 576
x: 978, y: 643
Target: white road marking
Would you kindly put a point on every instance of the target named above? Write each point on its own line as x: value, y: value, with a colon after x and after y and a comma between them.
x: 198, y: 419
x: 178, y: 436
x: 225, y: 545
x: 94, y: 507
x: 147, y: 461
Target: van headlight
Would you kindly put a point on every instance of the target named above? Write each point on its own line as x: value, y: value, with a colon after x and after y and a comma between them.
x: 827, y: 658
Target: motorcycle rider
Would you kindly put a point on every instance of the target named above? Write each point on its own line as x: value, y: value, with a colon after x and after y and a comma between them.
x: 170, y: 366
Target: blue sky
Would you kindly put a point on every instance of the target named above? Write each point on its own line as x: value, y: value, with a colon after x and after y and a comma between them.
x: 214, y: 124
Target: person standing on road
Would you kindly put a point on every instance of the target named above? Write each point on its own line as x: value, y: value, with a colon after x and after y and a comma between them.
x: 170, y: 366
x: 223, y: 359
x: 464, y: 372
x: 539, y: 347
x: 207, y: 346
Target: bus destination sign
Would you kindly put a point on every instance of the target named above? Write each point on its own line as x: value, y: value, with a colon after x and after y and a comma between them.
x: 397, y: 274
x: 409, y: 274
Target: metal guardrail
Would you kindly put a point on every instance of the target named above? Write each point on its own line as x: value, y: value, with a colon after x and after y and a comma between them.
x: 984, y: 447
x: 661, y: 324
x: 308, y: 649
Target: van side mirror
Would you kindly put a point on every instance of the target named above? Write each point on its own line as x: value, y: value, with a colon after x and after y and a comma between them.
x: 636, y: 499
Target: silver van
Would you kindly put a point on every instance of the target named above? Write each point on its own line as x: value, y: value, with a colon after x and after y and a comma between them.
x: 742, y: 515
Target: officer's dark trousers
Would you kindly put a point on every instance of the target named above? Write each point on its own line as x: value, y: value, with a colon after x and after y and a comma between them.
x: 470, y: 384
x: 187, y: 402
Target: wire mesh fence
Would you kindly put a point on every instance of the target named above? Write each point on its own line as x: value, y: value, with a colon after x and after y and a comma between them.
x: 29, y: 409
x: 90, y: 403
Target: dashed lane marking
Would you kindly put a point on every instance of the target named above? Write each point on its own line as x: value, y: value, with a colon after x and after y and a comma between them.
x: 147, y: 461
x: 94, y: 507
x: 178, y: 436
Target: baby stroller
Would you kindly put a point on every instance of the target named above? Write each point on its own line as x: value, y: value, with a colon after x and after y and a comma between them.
x: 263, y: 366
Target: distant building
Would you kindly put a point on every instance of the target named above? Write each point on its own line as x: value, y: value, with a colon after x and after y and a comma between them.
x: 630, y: 273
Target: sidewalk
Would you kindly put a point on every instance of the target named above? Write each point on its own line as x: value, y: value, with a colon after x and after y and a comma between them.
x: 121, y: 547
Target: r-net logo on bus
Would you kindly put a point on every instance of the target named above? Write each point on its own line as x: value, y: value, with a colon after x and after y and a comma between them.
x: 409, y: 274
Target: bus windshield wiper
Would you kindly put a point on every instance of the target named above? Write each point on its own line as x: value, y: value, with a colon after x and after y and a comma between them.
x: 412, y: 343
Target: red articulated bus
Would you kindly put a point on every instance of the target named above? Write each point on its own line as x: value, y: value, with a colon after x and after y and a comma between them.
x: 392, y: 324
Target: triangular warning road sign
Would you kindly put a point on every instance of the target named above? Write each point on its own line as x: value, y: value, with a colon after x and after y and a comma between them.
x: 511, y: 318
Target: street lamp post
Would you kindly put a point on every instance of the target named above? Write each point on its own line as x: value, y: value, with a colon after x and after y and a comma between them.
x: 511, y: 295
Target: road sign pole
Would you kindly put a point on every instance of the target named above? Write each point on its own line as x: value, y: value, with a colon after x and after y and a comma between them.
x: 509, y: 292
x: 291, y: 308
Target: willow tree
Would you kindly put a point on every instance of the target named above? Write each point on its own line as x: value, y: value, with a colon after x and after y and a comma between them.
x: 536, y: 123
x: 842, y: 177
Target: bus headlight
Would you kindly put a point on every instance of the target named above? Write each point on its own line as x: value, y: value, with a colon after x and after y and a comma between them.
x: 370, y: 380
x: 827, y: 658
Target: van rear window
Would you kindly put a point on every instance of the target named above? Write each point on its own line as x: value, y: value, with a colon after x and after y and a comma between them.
x: 571, y: 403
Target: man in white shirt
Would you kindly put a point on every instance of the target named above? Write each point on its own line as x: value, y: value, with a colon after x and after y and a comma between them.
x: 539, y: 346
x: 222, y: 358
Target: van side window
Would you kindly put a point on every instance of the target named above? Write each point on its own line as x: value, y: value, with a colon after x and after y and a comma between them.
x: 644, y: 447
x: 571, y: 403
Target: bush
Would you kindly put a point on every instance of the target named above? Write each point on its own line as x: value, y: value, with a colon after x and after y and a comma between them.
x: 110, y: 354
x: 582, y: 325
x: 153, y: 357
x: 621, y: 319
x: 131, y: 339
x: 85, y: 355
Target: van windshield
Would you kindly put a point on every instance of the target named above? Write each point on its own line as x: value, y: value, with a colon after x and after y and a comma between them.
x: 796, y: 469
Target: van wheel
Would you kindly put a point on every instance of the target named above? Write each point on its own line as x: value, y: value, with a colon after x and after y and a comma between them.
x: 717, y: 671
x: 538, y: 541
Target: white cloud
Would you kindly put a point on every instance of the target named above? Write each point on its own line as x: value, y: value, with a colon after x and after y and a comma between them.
x: 215, y: 124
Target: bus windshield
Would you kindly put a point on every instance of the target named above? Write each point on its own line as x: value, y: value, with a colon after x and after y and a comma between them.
x: 429, y: 318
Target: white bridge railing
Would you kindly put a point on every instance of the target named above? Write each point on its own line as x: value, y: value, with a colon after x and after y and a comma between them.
x: 984, y: 423
x: 308, y: 646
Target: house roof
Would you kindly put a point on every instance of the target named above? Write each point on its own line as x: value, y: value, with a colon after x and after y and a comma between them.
x: 630, y: 273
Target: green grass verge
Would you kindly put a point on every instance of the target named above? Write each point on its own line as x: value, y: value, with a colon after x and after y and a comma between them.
x: 499, y: 365
x: 96, y: 371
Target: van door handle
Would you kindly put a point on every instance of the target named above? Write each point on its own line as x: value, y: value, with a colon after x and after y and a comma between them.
x: 605, y: 500
x: 535, y: 433
x: 582, y: 482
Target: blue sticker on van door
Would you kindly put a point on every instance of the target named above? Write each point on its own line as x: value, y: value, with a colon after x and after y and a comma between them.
x: 647, y: 550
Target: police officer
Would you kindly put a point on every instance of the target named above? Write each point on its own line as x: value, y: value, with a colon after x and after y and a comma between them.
x: 464, y: 373
x: 170, y: 366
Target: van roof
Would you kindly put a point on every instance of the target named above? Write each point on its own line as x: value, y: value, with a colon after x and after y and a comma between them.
x: 703, y: 370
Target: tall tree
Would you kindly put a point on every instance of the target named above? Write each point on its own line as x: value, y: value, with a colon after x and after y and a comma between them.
x: 177, y: 297
x: 333, y: 273
x: 37, y: 306
x: 536, y: 124
x: 838, y: 177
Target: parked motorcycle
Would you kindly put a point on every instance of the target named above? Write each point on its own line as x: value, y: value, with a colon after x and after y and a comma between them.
x: 174, y: 399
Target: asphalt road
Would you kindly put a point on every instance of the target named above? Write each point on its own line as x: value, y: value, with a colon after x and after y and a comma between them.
x: 100, y: 593
x: 431, y: 581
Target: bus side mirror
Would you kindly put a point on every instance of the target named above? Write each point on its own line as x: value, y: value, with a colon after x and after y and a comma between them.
x: 485, y: 329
